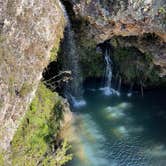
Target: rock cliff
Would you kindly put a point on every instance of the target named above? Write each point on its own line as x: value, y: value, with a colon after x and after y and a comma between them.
x: 29, y: 29
x: 108, y: 18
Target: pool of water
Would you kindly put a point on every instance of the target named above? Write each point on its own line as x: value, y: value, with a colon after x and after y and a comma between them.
x: 119, y: 130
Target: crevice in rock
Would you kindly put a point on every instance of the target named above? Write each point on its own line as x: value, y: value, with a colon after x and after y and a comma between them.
x: 54, y: 78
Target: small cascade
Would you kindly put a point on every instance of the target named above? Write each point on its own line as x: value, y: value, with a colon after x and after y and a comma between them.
x: 108, y: 90
x: 108, y: 71
x: 78, y: 102
x: 73, y: 90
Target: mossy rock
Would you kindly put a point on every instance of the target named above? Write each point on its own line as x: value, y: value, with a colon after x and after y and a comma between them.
x: 38, y: 132
x: 2, y: 159
x: 135, y: 67
x: 91, y: 61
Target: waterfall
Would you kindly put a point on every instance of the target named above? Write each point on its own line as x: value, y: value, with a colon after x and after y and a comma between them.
x: 108, y: 71
x: 71, y: 59
x: 108, y: 90
x: 73, y: 90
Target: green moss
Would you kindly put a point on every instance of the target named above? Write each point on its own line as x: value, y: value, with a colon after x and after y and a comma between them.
x: 91, y: 61
x: 60, y: 157
x: 53, y: 53
x: 26, y: 88
x: 135, y: 67
x: 162, y: 12
x: 1, y: 159
x: 38, y: 132
x: 11, y: 85
x: 60, y: 30
x: 1, y: 103
x: 56, y: 48
x: 2, y: 38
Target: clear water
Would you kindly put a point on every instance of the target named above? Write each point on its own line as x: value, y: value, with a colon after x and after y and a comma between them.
x: 120, y: 130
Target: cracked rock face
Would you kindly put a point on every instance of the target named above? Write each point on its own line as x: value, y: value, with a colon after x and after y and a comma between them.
x: 108, y: 18
x: 28, y: 31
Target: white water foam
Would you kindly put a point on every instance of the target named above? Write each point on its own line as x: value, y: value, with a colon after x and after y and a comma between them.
x: 77, y: 103
x: 129, y: 94
x: 109, y: 91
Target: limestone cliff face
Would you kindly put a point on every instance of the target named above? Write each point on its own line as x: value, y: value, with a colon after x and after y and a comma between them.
x: 108, y: 18
x: 28, y: 31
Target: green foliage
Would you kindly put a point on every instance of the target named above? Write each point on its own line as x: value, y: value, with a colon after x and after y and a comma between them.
x: 60, y: 157
x: 38, y: 132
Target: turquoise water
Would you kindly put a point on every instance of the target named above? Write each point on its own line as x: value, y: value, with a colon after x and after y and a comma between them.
x: 120, y: 130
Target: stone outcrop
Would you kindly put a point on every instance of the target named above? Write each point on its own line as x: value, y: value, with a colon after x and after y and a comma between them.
x: 109, y: 18
x: 28, y: 31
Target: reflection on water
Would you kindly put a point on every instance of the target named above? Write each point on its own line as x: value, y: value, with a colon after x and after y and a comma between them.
x: 119, y: 130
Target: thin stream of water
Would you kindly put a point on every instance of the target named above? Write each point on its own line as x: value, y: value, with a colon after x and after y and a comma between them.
x: 107, y: 89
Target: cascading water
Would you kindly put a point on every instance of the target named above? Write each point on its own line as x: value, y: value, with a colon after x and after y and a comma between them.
x: 108, y: 90
x: 108, y: 72
x: 73, y: 90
